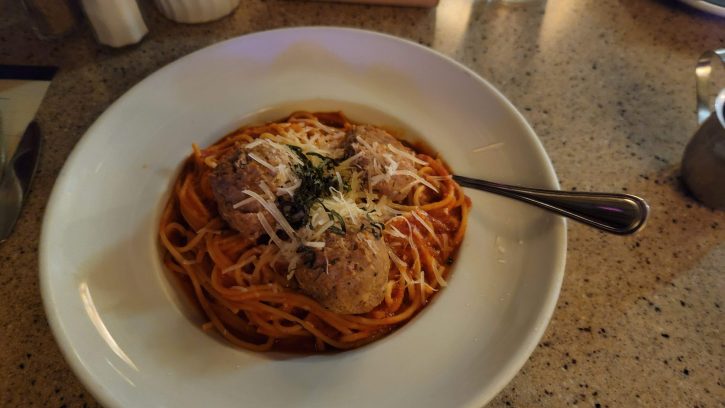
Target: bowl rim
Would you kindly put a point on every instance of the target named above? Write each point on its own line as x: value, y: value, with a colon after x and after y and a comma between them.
x: 104, y: 395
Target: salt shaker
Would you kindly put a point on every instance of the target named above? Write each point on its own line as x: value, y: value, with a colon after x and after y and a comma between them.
x: 196, y: 11
x: 703, y: 162
x: 116, y: 22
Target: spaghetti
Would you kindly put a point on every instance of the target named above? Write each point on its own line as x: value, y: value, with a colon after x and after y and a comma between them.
x: 247, y: 286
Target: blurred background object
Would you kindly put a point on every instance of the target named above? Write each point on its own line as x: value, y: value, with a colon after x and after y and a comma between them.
x: 196, y: 11
x: 703, y: 162
x: 716, y: 7
x: 117, y: 23
x: 51, y: 19
x: 408, y: 3
x: 22, y: 89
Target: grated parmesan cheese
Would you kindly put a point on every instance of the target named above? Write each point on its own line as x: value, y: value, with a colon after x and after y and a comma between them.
x: 243, y: 202
x: 417, y: 179
x: 272, y: 209
x: 407, y: 155
x: 426, y: 225
x: 265, y: 188
x: 269, y: 230
x: 262, y: 162
x: 314, y: 244
x: 290, y: 190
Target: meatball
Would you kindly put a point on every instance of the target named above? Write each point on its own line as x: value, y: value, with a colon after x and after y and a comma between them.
x: 374, y: 144
x: 349, y: 275
x: 237, y: 171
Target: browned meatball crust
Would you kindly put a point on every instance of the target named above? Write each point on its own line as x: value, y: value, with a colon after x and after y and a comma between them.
x: 396, y: 187
x: 352, y: 279
x: 237, y: 171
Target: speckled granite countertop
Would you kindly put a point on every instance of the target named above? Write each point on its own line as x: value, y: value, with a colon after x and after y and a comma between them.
x: 608, y: 87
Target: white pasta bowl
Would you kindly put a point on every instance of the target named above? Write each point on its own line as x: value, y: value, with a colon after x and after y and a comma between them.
x: 134, y: 341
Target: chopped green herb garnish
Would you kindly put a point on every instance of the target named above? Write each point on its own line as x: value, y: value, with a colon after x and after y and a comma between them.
x: 376, y: 227
x: 335, y: 217
x: 308, y: 255
x: 315, y: 185
x: 377, y: 233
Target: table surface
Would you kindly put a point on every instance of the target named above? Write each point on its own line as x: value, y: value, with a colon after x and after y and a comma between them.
x: 607, y: 85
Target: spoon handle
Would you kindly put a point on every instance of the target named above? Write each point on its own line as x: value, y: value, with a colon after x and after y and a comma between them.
x: 621, y: 214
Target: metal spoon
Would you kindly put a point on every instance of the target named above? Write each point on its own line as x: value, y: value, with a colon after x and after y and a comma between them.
x: 621, y: 214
